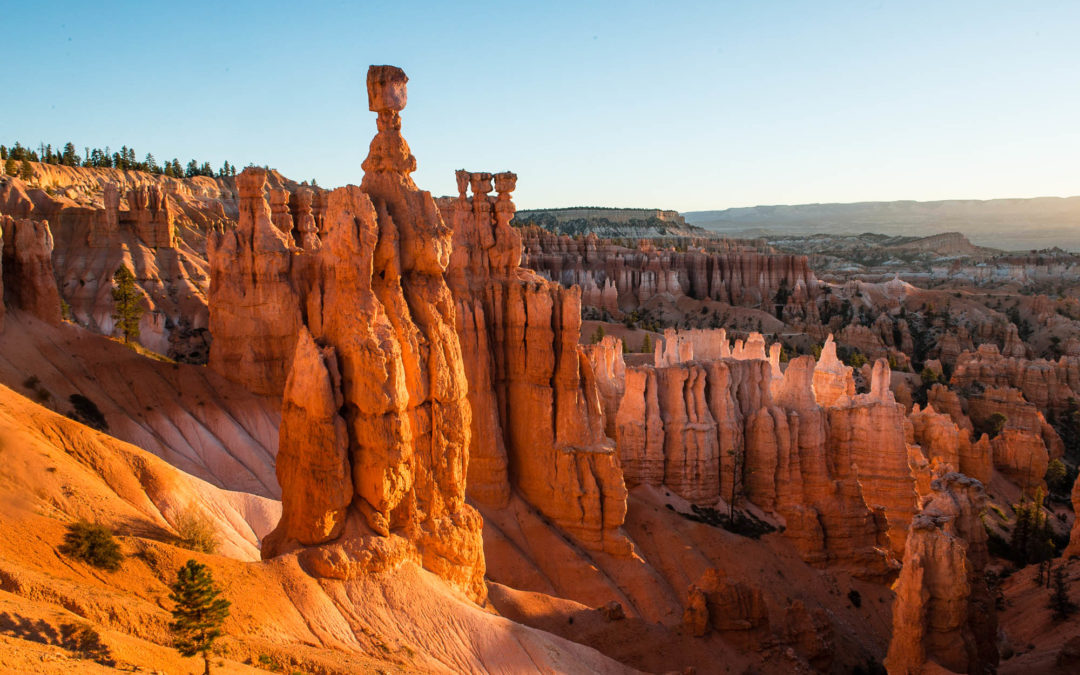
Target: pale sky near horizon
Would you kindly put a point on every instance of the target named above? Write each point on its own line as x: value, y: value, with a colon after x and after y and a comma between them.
x: 703, y: 105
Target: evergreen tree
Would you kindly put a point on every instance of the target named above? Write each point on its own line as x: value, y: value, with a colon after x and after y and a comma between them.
x: 127, y: 304
x: 199, y: 612
x: 646, y: 345
x: 151, y: 164
x: 26, y: 172
x: 1059, y: 601
x: 3, y: 152
x: 70, y: 157
x: 10, y: 168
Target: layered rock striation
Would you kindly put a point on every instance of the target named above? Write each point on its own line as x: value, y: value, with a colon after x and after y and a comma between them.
x: 538, y: 425
x: 836, y: 469
x: 28, y: 281
x: 357, y: 333
x: 615, y: 277
x: 944, y: 613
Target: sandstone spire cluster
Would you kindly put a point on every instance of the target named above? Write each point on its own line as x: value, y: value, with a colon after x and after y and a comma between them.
x: 538, y: 426
x: 355, y: 327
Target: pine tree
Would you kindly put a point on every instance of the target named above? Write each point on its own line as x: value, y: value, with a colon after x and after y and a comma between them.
x: 1059, y: 601
x: 127, y: 306
x: 199, y: 612
x: 646, y: 345
x: 26, y: 172
x: 10, y: 167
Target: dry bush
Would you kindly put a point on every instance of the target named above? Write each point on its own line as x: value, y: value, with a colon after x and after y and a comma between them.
x: 196, y: 531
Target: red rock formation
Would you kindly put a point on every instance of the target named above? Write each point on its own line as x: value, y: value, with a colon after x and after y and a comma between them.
x: 943, y: 612
x: 28, y: 281
x: 255, y: 307
x: 376, y: 419
x: 539, y: 426
x: 1047, y: 384
x: 945, y: 443
x: 686, y: 426
x: 834, y: 383
x: 279, y: 210
x: 307, y: 229
x: 1074, y: 537
x: 150, y: 215
x: 869, y: 432
x: 743, y: 278
x: 735, y: 608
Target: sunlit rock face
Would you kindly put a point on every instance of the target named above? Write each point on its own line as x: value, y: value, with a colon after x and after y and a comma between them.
x: 356, y: 331
x: 538, y: 423
x: 943, y: 612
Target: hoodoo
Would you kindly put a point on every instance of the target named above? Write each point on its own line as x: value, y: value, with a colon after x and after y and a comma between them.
x: 357, y: 331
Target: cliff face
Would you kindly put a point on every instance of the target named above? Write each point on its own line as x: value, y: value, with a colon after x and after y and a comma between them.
x: 28, y: 281
x: 538, y: 426
x: 1047, y: 384
x: 943, y: 612
x: 255, y: 289
x: 373, y: 451
x: 712, y: 429
x: 615, y: 277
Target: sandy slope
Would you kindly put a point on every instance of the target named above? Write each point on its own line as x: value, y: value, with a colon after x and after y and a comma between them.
x: 54, y: 470
x: 185, y: 414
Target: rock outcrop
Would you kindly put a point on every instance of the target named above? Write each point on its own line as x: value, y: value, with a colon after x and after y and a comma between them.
x: 538, y: 426
x: 1047, y: 384
x: 725, y: 428
x: 1074, y: 536
x: 943, y: 612
x: 255, y: 294
x: 373, y: 453
x: 610, y: 274
x: 946, y: 444
x: 28, y: 281
x: 150, y: 215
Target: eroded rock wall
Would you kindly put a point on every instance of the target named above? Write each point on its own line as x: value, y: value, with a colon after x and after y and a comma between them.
x: 943, y: 612
x: 375, y: 432
x: 614, y: 276
x: 28, y: 281
x: 538, y: 426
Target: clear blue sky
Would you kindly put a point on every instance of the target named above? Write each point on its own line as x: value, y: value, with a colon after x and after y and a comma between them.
x: 704, y: 105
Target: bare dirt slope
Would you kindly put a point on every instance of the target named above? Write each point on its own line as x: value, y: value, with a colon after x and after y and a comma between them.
x: 196, y: 421
x: 55, y: 470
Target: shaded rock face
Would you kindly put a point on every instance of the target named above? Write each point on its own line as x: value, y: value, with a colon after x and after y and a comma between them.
x: 615, y: 278
x: 1074, y: 536
x: 943, y: 612
x: 538, y: 425
x: 28, y: 281
x: 373, y: 452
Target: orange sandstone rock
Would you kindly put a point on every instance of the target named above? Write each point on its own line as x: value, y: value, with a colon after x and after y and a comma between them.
x: 539, y: 426
x: 943, y: 613
x: 376, y: 416
x: 28, y: 281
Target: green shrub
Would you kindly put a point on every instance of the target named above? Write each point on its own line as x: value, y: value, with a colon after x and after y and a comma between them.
x: 92, y: 543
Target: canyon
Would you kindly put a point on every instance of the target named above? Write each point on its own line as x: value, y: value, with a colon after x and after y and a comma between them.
x: 430, y: 439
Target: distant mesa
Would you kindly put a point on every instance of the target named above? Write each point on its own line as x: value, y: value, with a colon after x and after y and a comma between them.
x: 610, y: 222
x: 1010, y: 224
